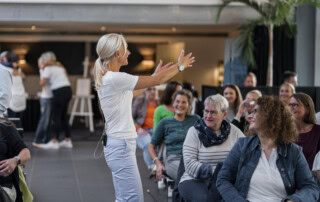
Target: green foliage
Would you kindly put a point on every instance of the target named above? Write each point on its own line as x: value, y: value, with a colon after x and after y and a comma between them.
x: 272, y: 12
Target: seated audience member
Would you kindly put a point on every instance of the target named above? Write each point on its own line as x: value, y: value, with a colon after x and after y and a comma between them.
x: 13, y: 151
x: 302, y: 108
x: 207, y: 143
x: 290, y: 77
x: 250, y: 80
x: 197, y: 105
x: 241, y: 119
x: 267, y: 165
x: 171, y: 132
x: 286, y: 91
x: 232, y: 93
x: 143, y: 108
x: 165, y: 110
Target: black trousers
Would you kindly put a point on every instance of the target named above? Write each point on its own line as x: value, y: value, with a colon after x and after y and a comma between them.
x: 61, y: 99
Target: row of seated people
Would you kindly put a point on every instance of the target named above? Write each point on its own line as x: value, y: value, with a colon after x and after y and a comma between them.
x: 179, y: 125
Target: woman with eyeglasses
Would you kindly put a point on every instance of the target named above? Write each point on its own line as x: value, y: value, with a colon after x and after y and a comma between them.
x: 267, y: 166
x: 207, y: 143
x: 302, y: 108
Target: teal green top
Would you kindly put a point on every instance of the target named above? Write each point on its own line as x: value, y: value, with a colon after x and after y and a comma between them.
x: 160, y: 113
x: 172, y: 133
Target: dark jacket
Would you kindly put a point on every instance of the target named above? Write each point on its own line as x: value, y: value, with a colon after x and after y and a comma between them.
x: 235, y: 175
x: 139, y: 110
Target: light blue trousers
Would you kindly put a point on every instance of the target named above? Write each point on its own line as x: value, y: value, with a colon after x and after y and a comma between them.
x: 121, y: 159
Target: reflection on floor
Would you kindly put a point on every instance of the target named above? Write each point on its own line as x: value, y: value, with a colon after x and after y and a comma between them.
x: 73, y: 175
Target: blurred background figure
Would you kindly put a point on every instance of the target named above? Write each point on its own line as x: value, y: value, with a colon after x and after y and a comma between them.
x: 143, y: 108
x: 165, y: 110
x: 318, y: 118
x: 18, y: 101
x: 57, y: 78
x: 302, y: 108
x: 197, y: 105
x: 286, y: 91
x: 242, y: 120
x: 43, y: 129
x: 290, y: 77
x: 250, y: 80
x: 171, y: 132
x: 232, y: 93
x: 208, y: 143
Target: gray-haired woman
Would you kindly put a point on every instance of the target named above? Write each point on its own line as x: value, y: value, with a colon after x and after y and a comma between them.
x: 115, y: 91
x: 207, y: 143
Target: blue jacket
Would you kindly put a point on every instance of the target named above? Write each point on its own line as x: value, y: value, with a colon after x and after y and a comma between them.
x: 235, y: 176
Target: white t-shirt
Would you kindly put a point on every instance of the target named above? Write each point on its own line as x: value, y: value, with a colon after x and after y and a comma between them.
x: 318, y: 118
x: 266, y: 184
x: 115, y: 97
x: 57, y: 77
x: 46, y: 90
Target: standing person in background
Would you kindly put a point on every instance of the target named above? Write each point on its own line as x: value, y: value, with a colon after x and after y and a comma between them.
x: 116, y: 90
x: 165, y: 110
x: 143, y: 108
x: 232, y: 93
x: 18, y: 101
x: 46, y: 98
x: 302, y: 108
x: 290, y: 77
x: 250, y: 80
x: 286, y: 91
x: 57, y: 77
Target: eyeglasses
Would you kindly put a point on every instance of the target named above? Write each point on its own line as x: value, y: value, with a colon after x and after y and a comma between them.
x: 253, y: 112
x: 209, y: 112
x: 293, y: 105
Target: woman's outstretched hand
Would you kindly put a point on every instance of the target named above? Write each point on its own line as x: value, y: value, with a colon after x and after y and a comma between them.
x: 186, y: 60
x: 160, y: 68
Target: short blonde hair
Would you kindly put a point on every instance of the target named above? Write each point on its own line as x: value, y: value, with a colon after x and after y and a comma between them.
x: 106, y: 48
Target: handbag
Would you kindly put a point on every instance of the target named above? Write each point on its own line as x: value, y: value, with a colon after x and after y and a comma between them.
x: 4, y: 197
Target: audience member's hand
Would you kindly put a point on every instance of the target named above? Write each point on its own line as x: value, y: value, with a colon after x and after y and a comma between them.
x: 160, y: 170
x: 187, y: 60
x: 161, y: 68
x: 242, y: 109
x: 141, y: 131
x: 7, y: 167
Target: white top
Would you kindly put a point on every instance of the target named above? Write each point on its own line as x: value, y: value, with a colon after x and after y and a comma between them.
x: 18, y: 100
x: 115, y: 97
x: 266, y: 184
x: 318, y: 118
x: 5, y: 89
x: 57, y: 77
x: 46, y: 90
x: 316, y: 162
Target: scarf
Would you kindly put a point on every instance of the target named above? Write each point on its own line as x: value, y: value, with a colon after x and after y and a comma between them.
x: 209, y: 138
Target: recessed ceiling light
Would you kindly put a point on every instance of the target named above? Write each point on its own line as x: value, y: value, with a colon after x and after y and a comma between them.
x: 33, y: 27
x: 103, y: 28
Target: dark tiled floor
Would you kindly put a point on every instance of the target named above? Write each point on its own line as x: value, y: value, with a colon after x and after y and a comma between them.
x: 76, y: 176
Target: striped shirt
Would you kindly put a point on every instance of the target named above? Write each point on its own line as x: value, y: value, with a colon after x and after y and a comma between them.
x: 195, y: 153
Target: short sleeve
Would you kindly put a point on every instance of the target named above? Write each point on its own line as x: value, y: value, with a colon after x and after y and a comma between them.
x: 45, y: 73
x: 124, y: 81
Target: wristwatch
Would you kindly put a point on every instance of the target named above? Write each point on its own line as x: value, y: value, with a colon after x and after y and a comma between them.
x: 180, y: 67
x: 18, y: 160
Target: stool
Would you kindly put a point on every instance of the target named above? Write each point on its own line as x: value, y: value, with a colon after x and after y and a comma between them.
x: 83, y: 93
